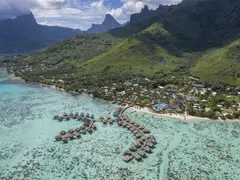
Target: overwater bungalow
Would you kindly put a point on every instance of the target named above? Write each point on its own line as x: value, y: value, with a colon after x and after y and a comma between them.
x: 143, y: 138
x: 71, y: 115
x: 58, y: 138
x: 127, y: 152
x: 151, y: 145
x: 56, y: 117
x: 87, y: 115
x: 76, y: 114
x: 60, y: 118
x: 65, y: 114
x: 71, y: 136
x: 141, y: 127
x: 83, y: 131
x: 146, y: 130
x: 136, y: 132
x: 71, y: 131
x: 101, y: 118
x: 62, y: 133
x: 132, y: 129
x: 79, y: 118
x: 108, y: 117
x: 67, y: 118
x: 127, y: 158
x: 77, y: 130
x: 119, y: 123
x: 111, y: 121
x: 86, y: 123
x: 133, y: 148
x: 138, y: 145
x: 94, y: 126
x: 82, y: 114
x: 141, y: 153
x: 128, y: 126
x: 147, y: 149
x: 132, y: 122
x: 65, y: 139
x: 138, y: 135
x: 92, y: 117
x: 82, y: 127
x: 137, y: 125
x: 89, y: 130
x: 105, y: 121
x: 137, y: 156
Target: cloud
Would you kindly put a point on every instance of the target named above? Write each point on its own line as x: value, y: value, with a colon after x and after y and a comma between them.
x: 76, y: 13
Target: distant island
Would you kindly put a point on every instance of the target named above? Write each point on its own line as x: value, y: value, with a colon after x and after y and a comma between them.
x: 24, y: 34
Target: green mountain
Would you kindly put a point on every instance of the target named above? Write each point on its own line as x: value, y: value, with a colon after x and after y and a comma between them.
x: 198, y: 38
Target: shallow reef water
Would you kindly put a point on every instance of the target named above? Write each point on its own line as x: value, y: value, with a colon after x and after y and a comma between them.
x: 185, y: 151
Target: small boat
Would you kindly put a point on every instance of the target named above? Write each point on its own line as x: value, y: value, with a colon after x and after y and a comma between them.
x: 76, y: 114
x: 56, y: 117
x: 82, y: 114
x: 65, y: 139
x: 62, y: 132
x: 146, y: 130
x: 127, y: 158
x: 141, y: 127
x: 94, y: 126
x: 108, y: 117
x: 77, y: 130
x: 92, y: 117
x: 89, y: 130
x: 87, y: 115
x: 71, y: 131
x: 58, y: 138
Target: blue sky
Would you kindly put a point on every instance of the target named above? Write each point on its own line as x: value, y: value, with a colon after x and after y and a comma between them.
x: 76, y: 13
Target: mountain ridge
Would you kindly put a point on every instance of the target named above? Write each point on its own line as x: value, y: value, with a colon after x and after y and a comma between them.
x: 108, y: 23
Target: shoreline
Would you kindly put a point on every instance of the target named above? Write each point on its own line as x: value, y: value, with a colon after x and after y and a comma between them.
x: 174, y: 116
x: 135, y: 108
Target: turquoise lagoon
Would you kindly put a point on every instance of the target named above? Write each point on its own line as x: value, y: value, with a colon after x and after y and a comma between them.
x: 196, y: 150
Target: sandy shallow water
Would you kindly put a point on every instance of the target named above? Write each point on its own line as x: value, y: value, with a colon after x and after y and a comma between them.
x: 196, y: 150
